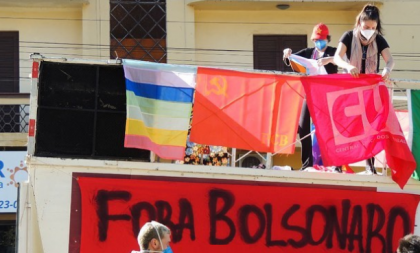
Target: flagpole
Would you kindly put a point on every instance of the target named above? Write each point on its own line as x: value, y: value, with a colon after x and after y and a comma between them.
x: 269, y: 161
x: 233, y: 161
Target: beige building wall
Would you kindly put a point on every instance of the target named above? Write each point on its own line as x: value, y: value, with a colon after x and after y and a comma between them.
x: 180, y: 26
x: 95, y: 29
x: 220, y: 34
x: 401, y: 22
x: 226, y: 30
x: 53, y: 32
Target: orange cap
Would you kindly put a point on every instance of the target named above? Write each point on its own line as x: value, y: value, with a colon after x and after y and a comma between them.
x: 320, y: 32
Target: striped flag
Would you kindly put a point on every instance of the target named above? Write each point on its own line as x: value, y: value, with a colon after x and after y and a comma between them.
x: 159, y: 102
x: 414, y: 135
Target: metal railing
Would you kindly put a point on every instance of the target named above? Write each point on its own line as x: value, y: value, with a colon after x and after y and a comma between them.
x: 14, y: 113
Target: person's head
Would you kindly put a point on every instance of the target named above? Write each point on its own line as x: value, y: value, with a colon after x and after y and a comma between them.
x: 154, y: 237
x: 261, y: 166
x: 368, y: 19
x: 409, y: 244
x: 320, y: 36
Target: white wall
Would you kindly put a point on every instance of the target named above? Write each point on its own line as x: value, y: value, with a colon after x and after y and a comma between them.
x: 49, y: 196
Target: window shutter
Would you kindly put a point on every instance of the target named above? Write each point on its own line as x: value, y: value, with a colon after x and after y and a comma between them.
x: 9, y: 63
x: 268, y: 50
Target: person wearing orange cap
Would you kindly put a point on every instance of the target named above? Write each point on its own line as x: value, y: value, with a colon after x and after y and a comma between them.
x: 325, y: 57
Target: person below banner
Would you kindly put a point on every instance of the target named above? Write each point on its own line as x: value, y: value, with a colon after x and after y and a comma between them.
x: 409, y: 244
x: 154, y: 237
x: 324, y: 55
x: 362, y: 46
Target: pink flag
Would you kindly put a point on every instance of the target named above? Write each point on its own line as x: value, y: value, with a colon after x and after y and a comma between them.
x: 355, y: 120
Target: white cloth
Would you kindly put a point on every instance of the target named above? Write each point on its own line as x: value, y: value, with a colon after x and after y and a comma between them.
x: 282, y: 167
x: 310, y: 65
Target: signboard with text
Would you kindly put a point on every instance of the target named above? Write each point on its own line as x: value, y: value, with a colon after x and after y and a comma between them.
x: 237, y: 216
x: 12, y: 171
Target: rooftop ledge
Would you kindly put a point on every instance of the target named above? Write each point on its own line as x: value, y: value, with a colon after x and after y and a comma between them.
x: 295, y: 5
x: 43, y: 3
x: 69, y: 166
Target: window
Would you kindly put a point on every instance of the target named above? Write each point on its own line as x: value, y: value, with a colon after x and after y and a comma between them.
x: 9, y: 81
x: 9, y: 63
x: 138, y: 29
x: 268, y: 50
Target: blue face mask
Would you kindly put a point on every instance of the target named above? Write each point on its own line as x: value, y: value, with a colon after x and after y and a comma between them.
x: 320, y: 44
x: 168, y: 250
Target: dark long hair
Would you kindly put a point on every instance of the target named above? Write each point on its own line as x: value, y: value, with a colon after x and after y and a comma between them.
x: 370, y: 12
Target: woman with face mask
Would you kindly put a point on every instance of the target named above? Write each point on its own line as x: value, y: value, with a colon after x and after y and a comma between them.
x: 363, y: 46
x: 324, y: 55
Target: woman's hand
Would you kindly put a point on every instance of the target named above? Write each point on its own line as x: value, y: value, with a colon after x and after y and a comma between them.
x: 286, y: 53
x: 385, y: 73
x: 323, y: 61
x: 353, y: 71
x: 386, y: 54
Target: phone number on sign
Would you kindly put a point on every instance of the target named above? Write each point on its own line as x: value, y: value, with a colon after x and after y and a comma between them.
x: 6, y: 204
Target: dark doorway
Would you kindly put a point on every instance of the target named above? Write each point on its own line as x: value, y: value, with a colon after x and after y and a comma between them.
x: 7, y: 236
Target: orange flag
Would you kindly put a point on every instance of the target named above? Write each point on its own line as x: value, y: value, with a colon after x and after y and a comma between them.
x: 347, y: 169
x: 252, y: 111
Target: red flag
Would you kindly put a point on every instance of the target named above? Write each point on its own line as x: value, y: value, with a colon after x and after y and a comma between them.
x: 355, y: 120
x: 250, y: 111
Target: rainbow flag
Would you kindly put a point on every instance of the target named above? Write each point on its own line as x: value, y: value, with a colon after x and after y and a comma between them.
x: 159, y: 102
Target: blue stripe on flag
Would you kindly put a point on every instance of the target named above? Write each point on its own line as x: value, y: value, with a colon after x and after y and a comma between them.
x: 165, y: 93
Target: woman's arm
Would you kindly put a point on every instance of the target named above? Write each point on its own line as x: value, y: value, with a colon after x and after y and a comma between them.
x: 339, y: 61
x: 386, y: 54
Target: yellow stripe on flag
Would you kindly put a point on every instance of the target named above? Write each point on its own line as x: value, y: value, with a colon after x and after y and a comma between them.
x: 158, y: 136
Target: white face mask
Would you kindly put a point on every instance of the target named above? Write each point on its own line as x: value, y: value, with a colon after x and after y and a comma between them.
x: 367, y: 33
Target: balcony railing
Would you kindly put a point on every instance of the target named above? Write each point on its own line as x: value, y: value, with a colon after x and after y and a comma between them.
x: 14, y: 119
